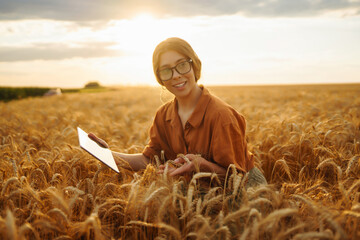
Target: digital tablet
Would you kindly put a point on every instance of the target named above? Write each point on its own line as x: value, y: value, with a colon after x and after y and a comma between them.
x: 102, y: 154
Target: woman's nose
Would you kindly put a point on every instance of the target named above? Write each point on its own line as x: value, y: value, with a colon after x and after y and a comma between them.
x: 176, y: 74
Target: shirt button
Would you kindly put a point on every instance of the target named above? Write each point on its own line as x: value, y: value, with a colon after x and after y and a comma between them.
x: 187, y: 126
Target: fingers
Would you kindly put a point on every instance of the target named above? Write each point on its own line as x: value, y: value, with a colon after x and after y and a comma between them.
x: 92, y: 136
x: 191, y: 157
x: 182, y: 159
x: 187, y: 166
x: 183, y: 170
x: 99, y: 141
x: 170, y: 170
x: 162, y: 169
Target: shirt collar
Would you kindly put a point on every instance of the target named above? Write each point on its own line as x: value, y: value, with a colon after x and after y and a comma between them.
x: 197, y: 116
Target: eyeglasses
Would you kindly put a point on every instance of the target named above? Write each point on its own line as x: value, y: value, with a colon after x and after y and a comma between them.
x: 182, y: 68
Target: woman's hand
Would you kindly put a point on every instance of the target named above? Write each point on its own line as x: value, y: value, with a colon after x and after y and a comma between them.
x: 193, y: 163
x: 189, y: 166
x: 99, y: 141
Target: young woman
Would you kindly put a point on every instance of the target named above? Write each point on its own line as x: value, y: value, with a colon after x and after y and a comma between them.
x: 209, y: 132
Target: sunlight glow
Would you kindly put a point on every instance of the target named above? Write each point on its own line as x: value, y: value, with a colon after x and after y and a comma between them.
x: 233, y: 50
x: 141, y: 17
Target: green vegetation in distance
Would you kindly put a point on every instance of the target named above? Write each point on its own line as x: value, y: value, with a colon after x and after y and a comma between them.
x: 12, y: 93
x: 15, y: 93
x: 93, y: 85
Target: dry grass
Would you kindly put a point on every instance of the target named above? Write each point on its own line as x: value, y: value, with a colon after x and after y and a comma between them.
x: 306, y: 140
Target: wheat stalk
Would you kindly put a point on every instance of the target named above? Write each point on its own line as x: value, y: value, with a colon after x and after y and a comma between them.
x: 118, y: 208
x: 245, y: 234
x: 11, y: 225
x: 352, y: 213
x: 329, y: 162
x: 60, y: 214
x: 274, y: 217
x: 291, y: 231
x: 234, y: 216
x: 284, y: 166
x: 26, y: 227
x: 261, y: 202
x: 313, y: 235
x: 7, y: 183
x: 351, y: 164
x: 224, y: 230
x: 162, y: 153
x: 157, y: 161
x: 195, y: 222
x: 94, y: 222
x: 63, y: 237
x: 209, y: 204
x: 155, y: 193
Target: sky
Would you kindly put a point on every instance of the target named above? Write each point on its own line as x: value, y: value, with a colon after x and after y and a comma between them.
x: 69, y: 43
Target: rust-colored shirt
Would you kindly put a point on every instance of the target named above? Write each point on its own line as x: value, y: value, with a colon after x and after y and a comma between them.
x: 215, y: 130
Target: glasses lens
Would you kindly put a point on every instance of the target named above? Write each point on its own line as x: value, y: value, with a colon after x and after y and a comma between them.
x: 183, y: 67
x: 165, y: 74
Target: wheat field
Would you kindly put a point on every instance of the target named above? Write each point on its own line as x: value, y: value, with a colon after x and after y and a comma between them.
x: 306, y: 141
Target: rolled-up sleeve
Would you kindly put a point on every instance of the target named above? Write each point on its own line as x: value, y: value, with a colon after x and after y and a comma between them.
x: 154, y: 146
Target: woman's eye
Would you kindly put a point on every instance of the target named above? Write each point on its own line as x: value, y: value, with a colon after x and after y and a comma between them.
x: 181, y: 65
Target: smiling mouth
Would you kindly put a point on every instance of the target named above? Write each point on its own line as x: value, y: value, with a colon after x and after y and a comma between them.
x: 179, y: 85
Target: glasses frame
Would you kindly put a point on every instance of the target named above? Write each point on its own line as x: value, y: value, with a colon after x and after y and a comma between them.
x: 190, y: 61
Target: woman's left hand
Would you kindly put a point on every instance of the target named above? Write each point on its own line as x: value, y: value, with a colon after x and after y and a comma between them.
x: 187, y: 168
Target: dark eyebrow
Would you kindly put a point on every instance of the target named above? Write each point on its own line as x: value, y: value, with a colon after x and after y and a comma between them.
x: 167, y: 65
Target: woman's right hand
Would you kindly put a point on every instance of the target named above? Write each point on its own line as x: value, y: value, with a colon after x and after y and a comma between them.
x: 99, y: 141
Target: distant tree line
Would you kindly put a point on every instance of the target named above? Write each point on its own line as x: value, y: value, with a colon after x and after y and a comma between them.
x: 93, y: 85
x: 12, y: 93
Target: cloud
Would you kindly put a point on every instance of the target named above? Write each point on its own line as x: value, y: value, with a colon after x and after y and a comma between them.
x: 84, y: 10
x: 54, y: 51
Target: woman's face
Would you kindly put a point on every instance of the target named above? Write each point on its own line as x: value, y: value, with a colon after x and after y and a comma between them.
x: 179, y: 85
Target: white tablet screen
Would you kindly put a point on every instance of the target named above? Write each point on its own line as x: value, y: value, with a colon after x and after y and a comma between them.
x: 102, y: 154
